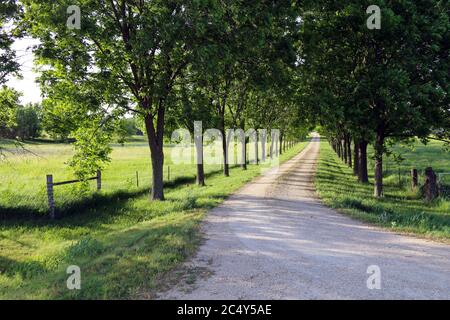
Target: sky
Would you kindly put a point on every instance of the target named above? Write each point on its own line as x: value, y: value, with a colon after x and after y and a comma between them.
x: 27, y: 85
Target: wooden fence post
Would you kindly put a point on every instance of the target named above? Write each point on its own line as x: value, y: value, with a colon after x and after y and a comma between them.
x: 99, y: 180
x: 51, y: 201
x: 137, y: 179
x: 414, y: 179
x: 431, y: 189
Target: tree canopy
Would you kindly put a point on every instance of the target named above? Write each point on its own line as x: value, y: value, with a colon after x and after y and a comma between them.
x: 9, y: 13
x: 136, y: 56
x: 238, y: 64
x: 375, y: 85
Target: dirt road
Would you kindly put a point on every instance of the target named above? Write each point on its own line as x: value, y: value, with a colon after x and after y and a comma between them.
x: 274, y: 240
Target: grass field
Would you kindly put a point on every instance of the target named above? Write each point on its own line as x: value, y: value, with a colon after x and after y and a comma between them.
x: 418, y: 156
x: 401, y: 209
x: 124, y: 244
x: 23, y: 188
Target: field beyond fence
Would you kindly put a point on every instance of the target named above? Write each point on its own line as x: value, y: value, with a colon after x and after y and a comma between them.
x: 24, y: 191
x: 401, y: 208
x: 418, y: 156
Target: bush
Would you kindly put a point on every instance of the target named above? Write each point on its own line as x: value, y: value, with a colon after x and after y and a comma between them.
x: 28, y: 124
x: 126, y: 128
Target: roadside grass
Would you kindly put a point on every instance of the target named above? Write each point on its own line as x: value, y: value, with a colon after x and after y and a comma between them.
x: 401, y: 209
x: 123, y: 243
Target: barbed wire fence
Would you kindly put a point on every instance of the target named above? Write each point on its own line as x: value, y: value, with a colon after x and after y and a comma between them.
x: 401, y: 175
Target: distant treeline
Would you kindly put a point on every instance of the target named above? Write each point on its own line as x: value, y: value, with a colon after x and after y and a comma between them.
x: 29, y: 121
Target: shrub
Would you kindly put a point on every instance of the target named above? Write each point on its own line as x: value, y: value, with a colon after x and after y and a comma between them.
x: 28, y: 124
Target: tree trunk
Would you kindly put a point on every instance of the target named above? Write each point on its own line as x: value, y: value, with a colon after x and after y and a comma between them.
x: 414, y: 179
x: 344, y: 148
x: 277, y: 147
x: 355, y: 157
x: 338, y: 149
x: 256, y: 148
x: 430, y: 186
x: 226, y: 171
x: 363, y: 175
x: 200, y: 169
x: 157, y: 155
x: 281, y: 143
x: 198, y: 141
x: 379, y: 146
x: 271, y: 146
x: 243, y: 147
x: 348, y: 141
x: 263, y: 147
x: 244, y: 154
x: 157, y: 178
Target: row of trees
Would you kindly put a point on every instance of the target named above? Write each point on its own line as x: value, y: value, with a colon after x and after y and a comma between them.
x: 242, y: 64
x: 376, y: 86
x: 228, y: 64
x: 31, y: 121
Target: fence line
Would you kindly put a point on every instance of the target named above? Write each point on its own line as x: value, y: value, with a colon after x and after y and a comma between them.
x: 415, y: 177
x: 51, y: 185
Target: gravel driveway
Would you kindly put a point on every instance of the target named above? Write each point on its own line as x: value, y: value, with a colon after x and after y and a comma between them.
x: 274, y: 240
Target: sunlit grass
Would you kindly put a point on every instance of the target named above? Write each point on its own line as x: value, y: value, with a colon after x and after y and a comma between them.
x: 418, y: 156
x: 401, y: 209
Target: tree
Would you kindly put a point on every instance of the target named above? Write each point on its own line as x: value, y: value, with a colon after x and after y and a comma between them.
x: 372, y: 86
x: 406, y: 82
x: 9, y: 103
x: 9, y: 98
x: 254, y: 38
x: 193, y: 106
x: 9, y: 12
x: 127, y: 56
x: 127, y: 127
x: 28, y: 124
x: 55, y: 123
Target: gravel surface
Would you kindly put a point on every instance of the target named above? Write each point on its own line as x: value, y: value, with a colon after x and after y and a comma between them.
x: 273, y: 239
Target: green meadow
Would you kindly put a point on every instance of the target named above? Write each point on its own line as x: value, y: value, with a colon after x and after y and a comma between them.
x: 125, y: 245
x: 401, y: 209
